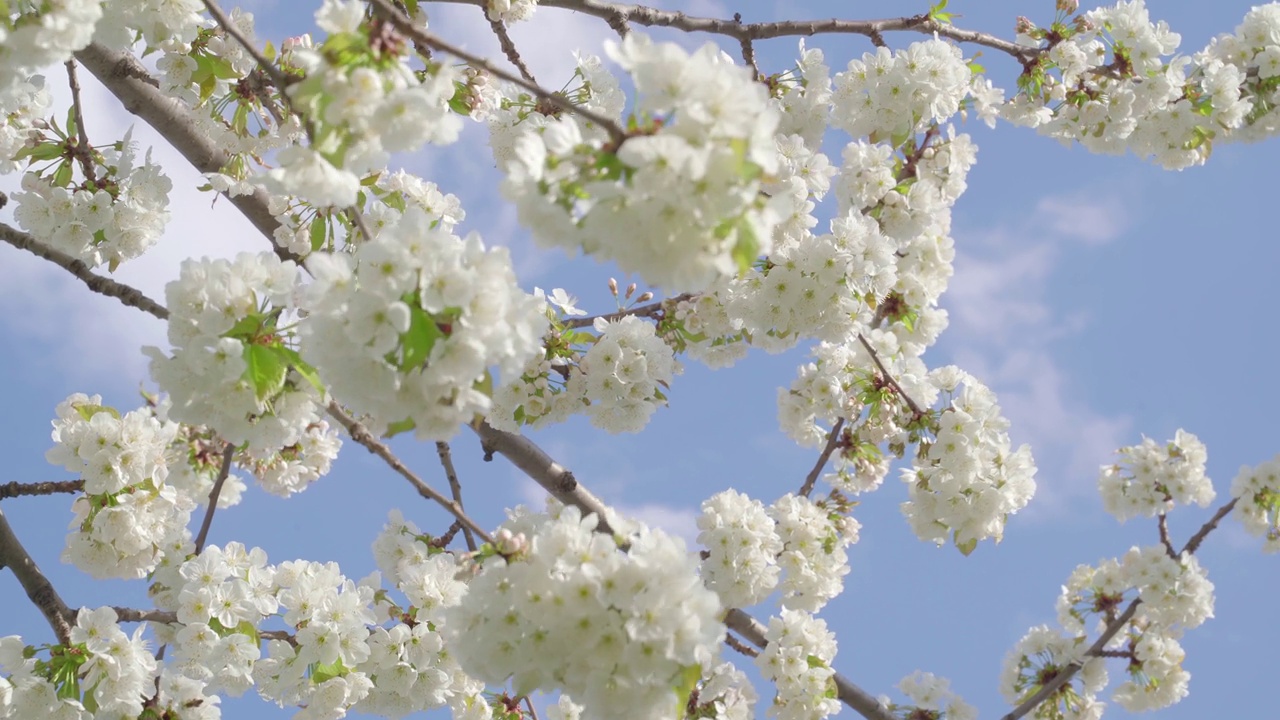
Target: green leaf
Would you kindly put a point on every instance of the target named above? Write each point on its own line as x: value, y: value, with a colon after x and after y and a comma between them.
x: 87, y: 411
x: 965, y: 548
x: 747, y: 248
x: 295, y: 362
x: 62, y: 176
x: 322, y: 673
x: 319, y: 231
x: 269, y: 51
x: 265, y: 370
x: 400, y: 426
x: 416, y: 343
x: 686, y: 682
x: 246, y: 328
x: 484, y: 384
x: 816, y: 662
x: 72, y: 128
x: 43, y: 151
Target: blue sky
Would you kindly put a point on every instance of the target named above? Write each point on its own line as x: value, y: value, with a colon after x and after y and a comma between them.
x: 1100, y: 297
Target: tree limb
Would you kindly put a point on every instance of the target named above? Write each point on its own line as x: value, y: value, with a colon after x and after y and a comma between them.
x: 101, y: 285
x: 15, y: 557
x: 177, y: 123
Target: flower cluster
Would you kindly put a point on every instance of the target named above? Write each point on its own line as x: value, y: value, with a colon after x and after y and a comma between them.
x: 23, y: 104
x: 1151, y: 479
x: 363, y: 102
x: 743, y: 547
x: 617, y: 381
x: 1043, y: 653
x: 405, y: 328
x: 128, y: 515
x: 813, y: 556
x: 409, y: 665
x: 1175, y: 592
x: 616, y: 630
x: 725, y: 694
x: 803, y: 97
x: 45, y: 37
x: 933, y: 695
x: 112, y: 218
x: 798, y: 661
x: 166, y: 24
x: 1258, y: 507
x: 891, y: 94
x: 678, y: 200
x: 845, y: 382
x: 233, y: 367
x: 102, y: 668
x: 968, y: 479
x: 623, y: 374
x: 1116, y: 87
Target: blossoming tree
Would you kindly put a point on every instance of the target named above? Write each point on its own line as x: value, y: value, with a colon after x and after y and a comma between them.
x: 368, y: 315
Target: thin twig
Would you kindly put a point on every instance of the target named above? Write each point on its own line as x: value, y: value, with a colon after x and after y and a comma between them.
x: 748, y: 52
x: 83, y: 151
x: 1162, y: 523
x: 277, y: 76
x: 41, y: 592
x: 652, y: 17
x: 616, y: 134
x: 455, y: 487
x: 855, y: 697
x: 49, y: 487
x: 361, y: 434
x: 101, y: 285
x: 889, y: 378
x: 650, y: 310
x: 833, y: 439
x: 509, y: 49
x: 740, y: 646
x: 1194, y: 543
x: 227, y: 453
x: 1065, y: 674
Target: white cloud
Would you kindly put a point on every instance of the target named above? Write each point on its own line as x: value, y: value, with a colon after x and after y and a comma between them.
x: 1003, y: 330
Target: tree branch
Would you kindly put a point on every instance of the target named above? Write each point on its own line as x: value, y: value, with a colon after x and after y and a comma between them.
x: 1064, y: 676
x: 38, y: 587
x: 361, y: 434
x: 50, y: 487
x: 615, y: 13
x: 403, y: 24
x: 650, y: 310
x: 101, y: 285
x: 911, y: 404
x: 177, y: 123
x: 1193, y: 544
x: 552, y: 476
x: 455, y: 487
x: 509, y: 49
x: 223, y: 472
x: 833, y: 439
x: 83, y: 151
x: 855, y: 697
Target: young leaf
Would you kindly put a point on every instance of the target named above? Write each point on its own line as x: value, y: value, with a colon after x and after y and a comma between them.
x: 416, y: 343
x: 265, y: 370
